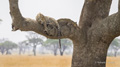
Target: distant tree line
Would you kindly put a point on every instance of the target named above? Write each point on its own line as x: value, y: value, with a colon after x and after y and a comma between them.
x: 33, y: 41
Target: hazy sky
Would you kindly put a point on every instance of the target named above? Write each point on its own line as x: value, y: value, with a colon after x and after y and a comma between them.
x: 29, y: 8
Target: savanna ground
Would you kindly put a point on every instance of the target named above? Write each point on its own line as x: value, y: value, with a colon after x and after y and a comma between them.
x: 46, y: 61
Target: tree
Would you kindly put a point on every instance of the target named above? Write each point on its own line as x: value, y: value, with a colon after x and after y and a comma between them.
x: 6, y: 46
x: 34, y: 39
x: 115, y: 46
x: 22, y: 47
x: 2, y: 49
x: 65, y: 44
x: 54, y: 45
x: 91, y: 38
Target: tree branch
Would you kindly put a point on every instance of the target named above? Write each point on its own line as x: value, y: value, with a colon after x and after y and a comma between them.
x: 119, y: 6
x: 93, y: 11
x: 111, y: 24
x: 69, y: 28
x: 107, y: 29
x: 14, y: 10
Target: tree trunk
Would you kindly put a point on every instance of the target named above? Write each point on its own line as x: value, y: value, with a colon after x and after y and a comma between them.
x: 7, y: 51
x: 2, y: 53
x: 55, y: 52
x: 34, y: 50
x: 24, y: 50
x: 20, y: 50
x: 2, y: 50
x: 55, y: 47
x: 63, y: 49
x: 115, y: 53
x: 61, y: 53
x: 91, y: 54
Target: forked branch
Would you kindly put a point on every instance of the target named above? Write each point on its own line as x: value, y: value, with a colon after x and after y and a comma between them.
x: 94, y: 11
x: 110, y: 26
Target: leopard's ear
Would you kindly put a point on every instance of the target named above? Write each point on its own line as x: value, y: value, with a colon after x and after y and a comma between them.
x: 41, y: 16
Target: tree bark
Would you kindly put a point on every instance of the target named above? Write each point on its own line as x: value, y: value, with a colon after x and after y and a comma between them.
x: 91, y: 38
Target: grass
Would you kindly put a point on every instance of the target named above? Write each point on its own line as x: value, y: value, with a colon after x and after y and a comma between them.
x: 38, y: 61
x: 113, y: 62
x: 46, y: 61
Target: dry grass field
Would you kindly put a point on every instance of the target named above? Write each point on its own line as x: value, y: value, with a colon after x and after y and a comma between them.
x: 38, y: 61
x: 46, y: 61
x: 113, y: 62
